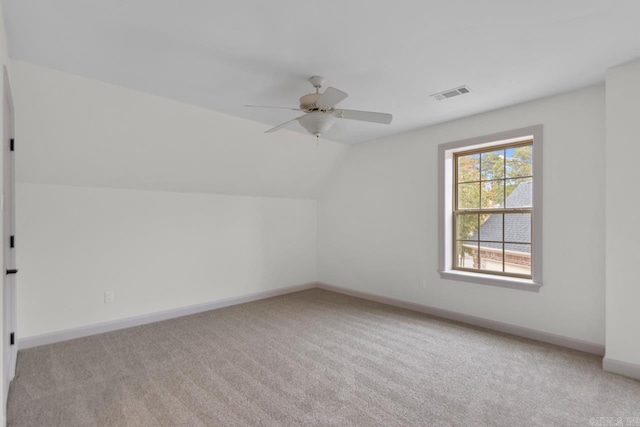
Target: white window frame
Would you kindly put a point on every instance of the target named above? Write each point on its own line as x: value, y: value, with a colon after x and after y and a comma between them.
x: 445, y: 208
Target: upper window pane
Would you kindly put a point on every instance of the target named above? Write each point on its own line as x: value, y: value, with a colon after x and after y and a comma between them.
x: 519, y: 161
x: 519, y: 193
x: 492, y: 165
x: 469, y: 168
x: 469, y: 196
x: 492, y: 194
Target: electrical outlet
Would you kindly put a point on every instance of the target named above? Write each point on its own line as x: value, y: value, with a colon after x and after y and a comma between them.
x: 108, y: 297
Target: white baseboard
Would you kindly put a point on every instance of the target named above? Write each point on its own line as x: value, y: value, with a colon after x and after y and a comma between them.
x: 620, y: 367
x: 507, y: 328
x: 98, y: 328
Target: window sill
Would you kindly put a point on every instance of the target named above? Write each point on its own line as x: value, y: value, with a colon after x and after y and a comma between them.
x: 487, y: 279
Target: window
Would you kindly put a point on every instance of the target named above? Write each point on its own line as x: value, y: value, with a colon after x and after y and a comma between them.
x: 493, y: 209
x: 491, y: 216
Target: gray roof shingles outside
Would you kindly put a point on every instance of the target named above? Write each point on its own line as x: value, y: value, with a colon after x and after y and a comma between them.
x: 517, y: 227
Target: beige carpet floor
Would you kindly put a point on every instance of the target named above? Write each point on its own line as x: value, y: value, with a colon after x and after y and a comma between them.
x: 312, y: 358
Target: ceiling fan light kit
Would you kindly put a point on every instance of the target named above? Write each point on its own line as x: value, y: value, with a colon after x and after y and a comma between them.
x: 320, y: 111
x: 316, y: 123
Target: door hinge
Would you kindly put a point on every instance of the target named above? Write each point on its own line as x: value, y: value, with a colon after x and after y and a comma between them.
x: 12, y: 241
x: 12, y: 271
x: 13, y: 145
x: 12, y: 338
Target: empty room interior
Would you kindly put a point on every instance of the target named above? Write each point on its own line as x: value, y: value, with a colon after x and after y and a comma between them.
x: 337, y: 213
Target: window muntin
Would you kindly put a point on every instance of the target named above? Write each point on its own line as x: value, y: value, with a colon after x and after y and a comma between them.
x: 493, y: 210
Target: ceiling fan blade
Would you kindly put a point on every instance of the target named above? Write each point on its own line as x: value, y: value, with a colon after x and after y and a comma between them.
x: 281, y: 125
x: 365, y: 116
x: 331, y: 97
x: 269, y: 106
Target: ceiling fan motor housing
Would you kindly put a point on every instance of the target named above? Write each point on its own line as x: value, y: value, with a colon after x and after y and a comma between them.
x: 309, y: 102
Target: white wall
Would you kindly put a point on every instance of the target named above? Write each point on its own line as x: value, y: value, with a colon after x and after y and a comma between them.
x: 120, y: 190
x: 623, y: 235
x: 156, y: 250
x: 378, y: 219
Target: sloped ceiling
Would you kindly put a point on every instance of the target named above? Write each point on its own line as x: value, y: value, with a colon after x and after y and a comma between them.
x: 81, y: 132
x: 389, y: 56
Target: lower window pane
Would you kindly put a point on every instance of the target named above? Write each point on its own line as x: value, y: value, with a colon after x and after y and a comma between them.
x: 491, y: 228
x: 467, y: 226
x: 467, y: 254
x: 517, y: 259
x: 491, y: 256
x: 517, y: 227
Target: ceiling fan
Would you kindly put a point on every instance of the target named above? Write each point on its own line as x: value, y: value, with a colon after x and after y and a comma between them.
x: 320, y: 111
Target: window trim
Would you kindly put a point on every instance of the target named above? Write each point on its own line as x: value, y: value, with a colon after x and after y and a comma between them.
x: 445, y: 208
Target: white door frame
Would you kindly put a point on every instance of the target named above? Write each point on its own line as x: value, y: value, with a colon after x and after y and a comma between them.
x: 9, y: 318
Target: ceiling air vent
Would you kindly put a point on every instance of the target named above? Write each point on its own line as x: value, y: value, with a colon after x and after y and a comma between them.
x: 451, y: 93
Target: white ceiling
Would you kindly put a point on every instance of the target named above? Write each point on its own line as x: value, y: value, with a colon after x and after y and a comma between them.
x: 389, y: 56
